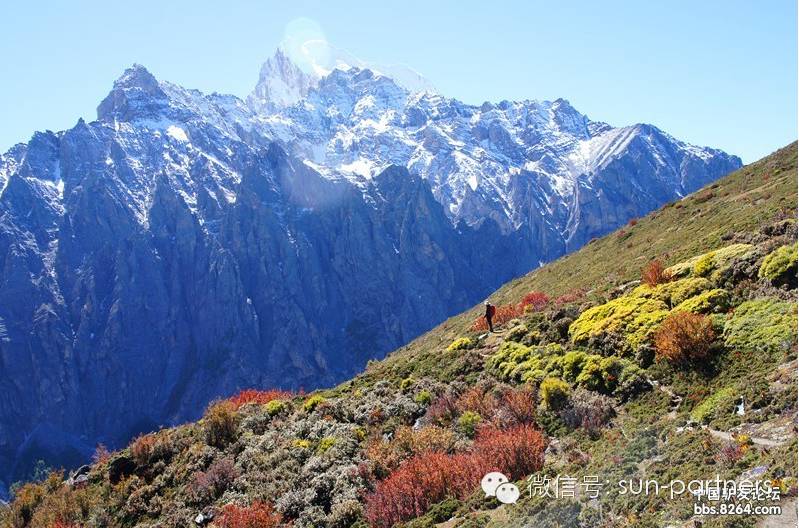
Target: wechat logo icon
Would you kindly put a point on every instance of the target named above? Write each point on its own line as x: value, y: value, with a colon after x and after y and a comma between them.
x: 495, y: 484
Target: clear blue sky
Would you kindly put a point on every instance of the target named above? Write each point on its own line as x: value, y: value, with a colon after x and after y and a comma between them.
x: 721, y: 73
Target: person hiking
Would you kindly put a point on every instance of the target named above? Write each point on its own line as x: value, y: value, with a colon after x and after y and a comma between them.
x: 490, y: 311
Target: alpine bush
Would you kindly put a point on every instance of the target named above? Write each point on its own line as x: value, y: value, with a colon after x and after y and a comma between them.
x: 684, y: 337
x: 779, y: 266
x: 655, y: 273
x: 220, y: 424
x: 554, y: 393
x: 257, y: 515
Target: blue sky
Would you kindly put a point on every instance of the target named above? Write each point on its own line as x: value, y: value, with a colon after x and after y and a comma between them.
x: 717, y: 73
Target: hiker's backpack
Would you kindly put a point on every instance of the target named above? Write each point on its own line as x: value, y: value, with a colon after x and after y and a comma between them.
x: 492, y: 310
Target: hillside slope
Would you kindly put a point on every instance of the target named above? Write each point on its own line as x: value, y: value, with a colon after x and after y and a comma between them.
x: 738, y: 203
x: 280, y: 244
x: 592, y: 378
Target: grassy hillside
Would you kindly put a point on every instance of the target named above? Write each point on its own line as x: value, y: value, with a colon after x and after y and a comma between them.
x: 591, y: 373
x: 742, y: 202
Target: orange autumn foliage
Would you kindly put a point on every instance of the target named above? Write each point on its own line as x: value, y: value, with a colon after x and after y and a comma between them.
x: 655, y: 273
x: 684, y: 337
x: 257, y: 515
x: 258, y: 397
x: 504, y: 314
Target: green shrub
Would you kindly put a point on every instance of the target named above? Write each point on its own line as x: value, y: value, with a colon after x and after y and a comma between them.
x: 705, y: 264
x: 631, y: 381
x: 515, y: 362
x: 612, y: 368
x: 591, y: 376
x: 275, y: 407
x: 675, y: 292
x: 313, y: 402
x: 443, y: 511
x: 301, y: 443
x: 554, y: 393
x: 468, y: 422
x: 520, y: 363
x: 683, y: 269
x: 423, y: 397
x: 717, y: 261
x: 632, y: 316
x: 720, y: 402
x: 572, y: 364
x: 461, y: 343
x: 779, y: 266
x: 761, y: 324
x: 533, y: 337
x: 517, y: 333
x: 406, y: 384
x: 325, y: 444
x: 711, y: 301
x: 643, y: 326
x: 508, y: 357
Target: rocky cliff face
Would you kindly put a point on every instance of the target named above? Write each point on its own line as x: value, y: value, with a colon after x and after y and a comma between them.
x: 185, y: 245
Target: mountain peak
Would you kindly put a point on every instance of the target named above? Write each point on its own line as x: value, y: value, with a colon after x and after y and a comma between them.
x: 293, y: 70
x: 281, y: 83
x: 137, y: 76
x: 135, y: 90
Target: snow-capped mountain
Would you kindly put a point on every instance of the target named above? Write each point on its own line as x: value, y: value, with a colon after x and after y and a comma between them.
x: 354, y: 123
x: 185, y: 245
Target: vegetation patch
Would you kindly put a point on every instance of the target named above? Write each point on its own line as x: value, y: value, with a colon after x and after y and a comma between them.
x: 721, y: 402
x: 716, y: 300
x: 675, y: 292
x: 554, y: 393
x: 313, y: 402
x: 461, y: 343
x: 779, y: 266
x: 759, y: 324
x: 631, y: 316
x: 717, y: 261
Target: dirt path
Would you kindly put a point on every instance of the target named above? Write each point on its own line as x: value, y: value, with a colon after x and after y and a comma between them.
x: 763, y: 442
x: 788, y: 518
x: 674, y: 399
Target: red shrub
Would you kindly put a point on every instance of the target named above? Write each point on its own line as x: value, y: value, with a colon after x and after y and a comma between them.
x: 257, y: 515
x: 376, y: 416
x: 569, y: 297
x: 478, y: 400
x: 259, y: 397
x: 504, y: 314
x: 101, y: 454
x: 517, y: 407
x: 655, y: 273
x: 516, y: 452
x: 208, y: 485
x: 421, y: 482
x: 684, y: 336
x: 443, y: 410
x: 730, y: 453
x: 632, y: 222
x: 143, y: 447
x: 480, y: 325
x: 536, y: 300
x: 428, y: 478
